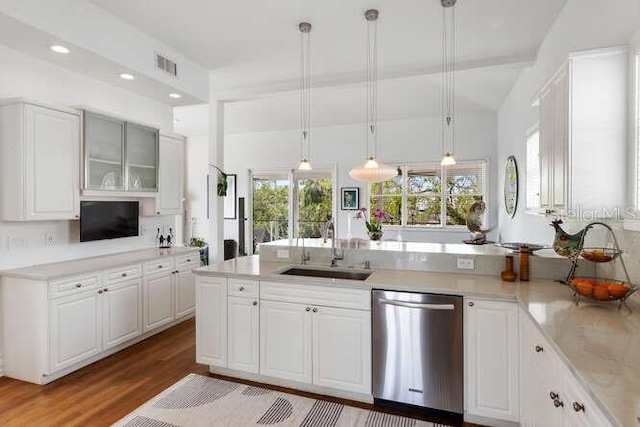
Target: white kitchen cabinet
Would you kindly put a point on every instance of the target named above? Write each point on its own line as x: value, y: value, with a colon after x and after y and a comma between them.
x: 184, y: 284
x: 75, y: 332
x: 157, y: 300
x: 491, y: 359
x: 39, y: 162
x: 171, y: 180
x: 342, y: 349
x: 550, y: 394
x: 121, y: 312
x: 211, y: 321
x: 285, y: 341
x: 244, y: 334
x: 583, y: 135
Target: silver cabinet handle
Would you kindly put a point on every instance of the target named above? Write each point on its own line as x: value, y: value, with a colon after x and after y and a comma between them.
x: 553, y: 395
x: 578, y: 407
x: 471, y: 303
x: 78, y: 285
x: 160, y: 266
x: 315, y: 310
x: 188, y: 259
x: 307, y: 309
x: 255, y: 303
x: 241, y: 288
x: 418, y: 305
x: 539, y: 349
x: 124, y: 274
x: 100, y: 291
x: 558, y: 403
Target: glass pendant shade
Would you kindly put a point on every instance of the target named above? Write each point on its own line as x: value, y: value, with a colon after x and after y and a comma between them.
x: 373, y: 171
x: 448, y: 160
x: 304, y: 165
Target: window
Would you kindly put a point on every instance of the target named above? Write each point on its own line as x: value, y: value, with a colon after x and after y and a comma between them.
x: 637, y: 127
x: 270, y: 207
x: 533, y: 171
x: 288, y: 204
x: 430, y: 195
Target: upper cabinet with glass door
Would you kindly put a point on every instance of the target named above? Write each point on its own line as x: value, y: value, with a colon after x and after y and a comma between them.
x: 119, y: 156
x: 142, y: 157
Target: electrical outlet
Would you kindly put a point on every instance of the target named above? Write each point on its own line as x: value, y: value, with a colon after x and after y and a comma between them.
x: 282, y: 253
x: 466, y: 263
x: 48, y: 239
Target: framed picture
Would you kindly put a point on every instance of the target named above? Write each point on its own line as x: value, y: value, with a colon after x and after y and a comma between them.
x: 349, y: 198
x: 230, y: 199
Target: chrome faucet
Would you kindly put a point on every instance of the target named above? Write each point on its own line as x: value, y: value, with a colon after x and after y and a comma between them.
x: 304, y: 256
x: 330, y: 226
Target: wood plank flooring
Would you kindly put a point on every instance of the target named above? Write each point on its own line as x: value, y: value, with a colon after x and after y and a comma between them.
x: 104, y: 392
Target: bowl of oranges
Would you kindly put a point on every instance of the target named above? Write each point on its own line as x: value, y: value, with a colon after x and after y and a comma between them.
x: 601, y: 289
x: 599, y: 254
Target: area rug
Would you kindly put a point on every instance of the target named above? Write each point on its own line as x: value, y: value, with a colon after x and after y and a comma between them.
x: 197, y: 400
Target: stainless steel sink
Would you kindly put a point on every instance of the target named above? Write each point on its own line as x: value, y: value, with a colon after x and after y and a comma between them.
x: 326, y: 273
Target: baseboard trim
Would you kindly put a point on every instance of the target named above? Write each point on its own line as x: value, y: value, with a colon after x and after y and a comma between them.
x: 475, y: 419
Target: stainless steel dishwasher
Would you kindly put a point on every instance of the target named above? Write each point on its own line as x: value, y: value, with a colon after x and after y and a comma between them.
x: 417, y: 349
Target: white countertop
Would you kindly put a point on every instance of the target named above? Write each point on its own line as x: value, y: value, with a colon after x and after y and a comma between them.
x: 601, y: 344
x: 45, y: 272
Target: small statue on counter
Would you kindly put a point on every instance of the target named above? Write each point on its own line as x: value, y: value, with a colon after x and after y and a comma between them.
x: 165, y: 242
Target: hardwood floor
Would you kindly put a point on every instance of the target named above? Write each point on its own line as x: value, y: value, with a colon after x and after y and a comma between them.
x: 104, y: 392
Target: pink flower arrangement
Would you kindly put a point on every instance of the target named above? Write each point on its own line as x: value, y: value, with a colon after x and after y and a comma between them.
x: 378, y: 217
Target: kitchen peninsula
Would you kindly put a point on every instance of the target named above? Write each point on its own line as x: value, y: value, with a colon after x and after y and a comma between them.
x: 586, y: 355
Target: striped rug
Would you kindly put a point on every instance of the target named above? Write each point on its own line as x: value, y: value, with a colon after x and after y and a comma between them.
x: 197, y: 400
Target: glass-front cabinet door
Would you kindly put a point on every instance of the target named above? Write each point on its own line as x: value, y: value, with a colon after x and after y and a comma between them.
x: 142, y: 158
x: 104, y: 152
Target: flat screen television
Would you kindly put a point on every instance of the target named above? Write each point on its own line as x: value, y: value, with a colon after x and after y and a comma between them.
x: 101, y: 220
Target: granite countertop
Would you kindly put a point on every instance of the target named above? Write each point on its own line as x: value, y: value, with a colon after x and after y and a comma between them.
x: 600, y: 344
x: 45, y: 272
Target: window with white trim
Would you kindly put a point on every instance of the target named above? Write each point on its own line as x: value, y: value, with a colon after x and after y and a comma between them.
x: 430, y: 195
x: 533, y: 170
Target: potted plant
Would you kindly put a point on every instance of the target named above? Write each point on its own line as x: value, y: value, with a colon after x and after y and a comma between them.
x: 223, y: 182
x: 374, y: 224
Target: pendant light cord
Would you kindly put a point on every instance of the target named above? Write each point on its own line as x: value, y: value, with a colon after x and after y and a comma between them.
x: 448, y: 99
x: 305, y: 91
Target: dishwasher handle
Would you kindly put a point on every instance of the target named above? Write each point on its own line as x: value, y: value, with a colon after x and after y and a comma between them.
x: 418, y: 305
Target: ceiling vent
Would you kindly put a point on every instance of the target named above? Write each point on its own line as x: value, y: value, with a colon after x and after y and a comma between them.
x: 166, y: 65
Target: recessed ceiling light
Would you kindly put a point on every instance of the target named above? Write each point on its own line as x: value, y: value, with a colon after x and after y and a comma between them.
x: 127, y: 76
x: 59, y: 49
x: 175, y: 95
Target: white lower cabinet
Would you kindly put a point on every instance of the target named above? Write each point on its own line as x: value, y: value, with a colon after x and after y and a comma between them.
x: 285, y: 340
x: 491, y: 359
x: 244, y: 334
x: 185, y: 290
x: 550, y: 394
x: 75, y: 332
x: 326, y: 345
x: 211, y: 321
x: 121, y: 312
x: 342, y: 349
x: 158, y: 300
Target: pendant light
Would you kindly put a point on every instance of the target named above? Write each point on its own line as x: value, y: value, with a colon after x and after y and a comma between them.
x: 305, y: 96
x: 447, y: 125
x: 372, y: 170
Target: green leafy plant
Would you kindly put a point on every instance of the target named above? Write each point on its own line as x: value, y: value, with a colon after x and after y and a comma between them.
x: 223, y: 182
x: 197, y: 242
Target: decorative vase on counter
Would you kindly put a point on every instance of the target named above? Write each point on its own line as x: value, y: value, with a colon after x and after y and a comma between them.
x: 375, y: 235
x: 508, y: 275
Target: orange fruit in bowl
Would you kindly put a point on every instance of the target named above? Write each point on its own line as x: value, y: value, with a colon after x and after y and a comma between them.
x: 618, y: 290
x: 601, y: 293
x: 584, y: 289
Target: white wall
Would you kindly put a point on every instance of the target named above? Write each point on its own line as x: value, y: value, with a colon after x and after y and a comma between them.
x: 582, y: 25
x: 398, y: 141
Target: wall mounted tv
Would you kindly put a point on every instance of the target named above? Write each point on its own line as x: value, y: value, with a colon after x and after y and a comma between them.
x: 101, y: 220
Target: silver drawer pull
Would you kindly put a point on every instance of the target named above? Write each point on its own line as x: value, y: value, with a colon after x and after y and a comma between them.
x: 578, y: 407
x: 78, y: 285
x: 160, y: 266
x: 418, y: 305
x: 188, y: 259
x: 124, y: 274
x: 255, y: 303
x: 241, y: 288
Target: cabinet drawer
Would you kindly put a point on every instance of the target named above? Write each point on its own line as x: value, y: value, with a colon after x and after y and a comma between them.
x: 188, y: 258
x: 122, y: 274
x: 243, y: 288
x: 158, y: 265
x: 328, y: 296
x: 74, y: 285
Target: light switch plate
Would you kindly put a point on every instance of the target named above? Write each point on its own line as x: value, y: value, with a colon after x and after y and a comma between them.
x: 466, y: 263
x: 282, y: 253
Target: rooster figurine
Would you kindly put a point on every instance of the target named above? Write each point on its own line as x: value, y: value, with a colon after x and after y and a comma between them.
x: 565, y: 244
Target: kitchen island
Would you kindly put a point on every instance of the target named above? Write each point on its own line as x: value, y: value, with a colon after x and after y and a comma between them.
x: 598, y: 345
